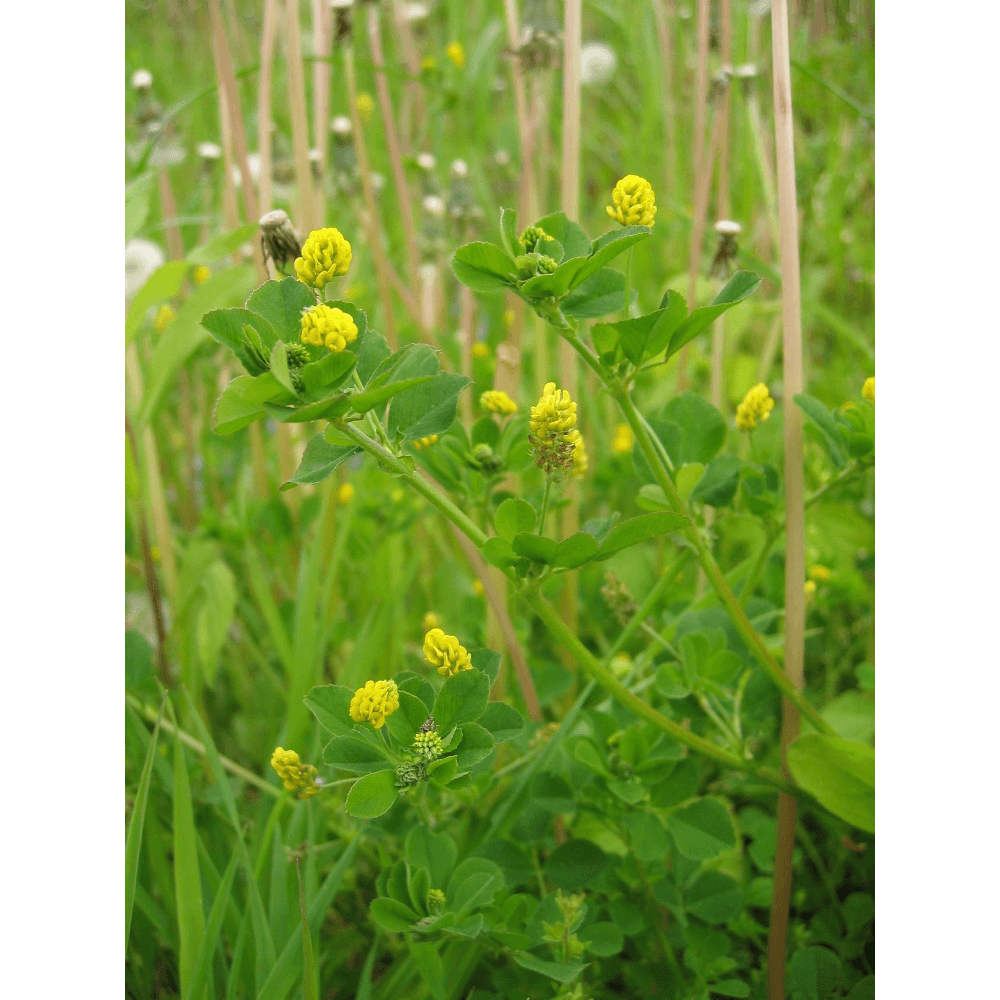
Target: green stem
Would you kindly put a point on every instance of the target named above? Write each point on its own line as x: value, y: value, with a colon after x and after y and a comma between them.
x: 751, y: 581
x: 711, y: 568
x: 545, y: 504
x: 628, y: 283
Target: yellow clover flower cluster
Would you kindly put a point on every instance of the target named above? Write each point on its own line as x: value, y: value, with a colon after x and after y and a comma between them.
x: 757, y: 405
x: 480, y: 350
x: 820, y: 573
x: 201, y: 274
x: 580, y: 460
x: 328, y: 326
x: 497, y: 401
x: 427, y: 745
x: 456, y: 53
x: 375, y: 702
x: 325, y: 254
x: 623, y: 440
x: 634, y: 202
x: 366, y: 106
x: 425, y: 442
x: 429, y: 621
x: 446, y: 653
x: 868, y: 389
x: 164, y: 317
x: 345, y: 494
x: 293, y: 773
x: 554, y: 437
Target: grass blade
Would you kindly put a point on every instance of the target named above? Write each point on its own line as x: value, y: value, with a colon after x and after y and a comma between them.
x: 199, y: 972
x: 187, y: 874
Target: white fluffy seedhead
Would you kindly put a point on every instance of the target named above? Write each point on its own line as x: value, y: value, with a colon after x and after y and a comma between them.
x: 433, y: 205
x: 341, y: 125
x: 142, y: 79
x: 426, y: 161
x: 726, y: 227
x: 459, y: 168
x: 598, y: 63
x: 209, y: 151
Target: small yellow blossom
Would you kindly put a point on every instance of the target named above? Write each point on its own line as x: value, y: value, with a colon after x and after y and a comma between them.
x: 429, y: 621
x: 427, y: 745
x: 446, y: 653
x: 365, y: 106
x: 868, y: 389
x: 554, y: 413
x: 164, y: 317
x: 456, y: 54
x: 201, y: 274
x: 425, y: 442
x: 155, y: 554
x: 396, y: 496
x: 345, y: 494
x: 820, y: 573
x: 374, y: 702
x: 477, y: 586
x: 508, y: 318
x: 325, y: 254
x: 428, y: 64
x: 634, y: 202
x: 757, y: 405
x: 480, y: 350
x: 623, y: 440
x: 497, y: 401
x: 328, y: 326
x: 810, y: 590
x: 293, y: 773
x: 580, y: 460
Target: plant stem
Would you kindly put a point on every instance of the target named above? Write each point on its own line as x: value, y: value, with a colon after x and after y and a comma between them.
x: 628, y: 283
x: 545, y: 504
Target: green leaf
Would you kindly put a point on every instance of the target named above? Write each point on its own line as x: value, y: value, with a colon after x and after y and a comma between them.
x: 222, y: 245
x: 435, y: 852
x: 645, y: 336
x: 600, y: 527
x: 407, y: 719
x: 497, y: 552
x: 488, y: 662
x: 576, y: 550
x: 319, y: 461
x: 687, y: 478
x: 232, y: 411
x: 714, y: 898
x: 607, y: 247
x: 821, y: 418
x: 693, y: 429
x: 730, y: 988
x: 537, y: 548
x: 266, y: 389
x: 409, y: 361
x: 392, y: 916
x: 441, y: 771
x: 187, y: 875
x: 649, y: 839
x: 281, y: 303
x: 740, y: 286
x: 211, y: 626
x: 483, y: 267
x: 164, y: 283
x: 279, y: 367
x: 813, y: 974
x: 351, y: 753
x: 137, y: 197
x: 601, y: 294
x: 501, y: 721
x: 574, y: 240
x: 213, y: 928
x: 476, y: 745
x: 561, y: 972
x: 639, y: 529
x: 852, y: 716
x: 328, y: 373
x: 473, y: 883
x: 702, y: 830
x: 603, y: 938
x: 514, y: 516
x: 865, y: 990
x: 335, y: 405
x: 249, y: 336
x: 362, y: 402
x: 840, y: 774
x: 372, y: 795
x: 372, y: 352
x: 508, y: 232
x: 587, y: 754
x: 427, y: 409
x: 557, y: 283
x: 331, y: 704
x: 575, y: 864
x: 718, y: 485
x: 461, y: 699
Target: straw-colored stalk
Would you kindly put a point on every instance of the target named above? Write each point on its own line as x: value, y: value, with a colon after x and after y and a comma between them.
x: 466, y: 332
x: 392, y: 142
x: 305, y: 200
x: 412, y: 109
x: 267, y: 39
x: 570, y: 201
x: 795, y: 568
x: 760, y: 140
x: 368, y: 191
x: 700, y: 89
x: 663, y: 13
x: 322, y: 28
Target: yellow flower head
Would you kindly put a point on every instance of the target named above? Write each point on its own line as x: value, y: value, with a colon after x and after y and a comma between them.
x: 623, y: 440
x: 425, y: 442
x: 554, y: 414
x: 580, y: 461
x: 201, y: 274
x: 374, y: 702
x: 154, y: 553
x: 428, y: 64
x: 477, y: 586
x: 325, y: 254
x: 868, y: 389
x: 164, y: 317
x: 634, y: 202
x: 508, y: 318
x: 446, y: 653
x: 429, y: 621
x: 497, y: 401
x: 810, y: 590
x: 820, y: 573
x: 293, y: 773
x: 328, y: 326
x: 757, y: 405
x: 365, y: 106
x: 480, y: 350
x: 345, y: 494
x: 456, y: 54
